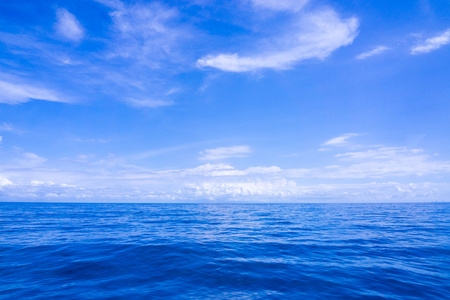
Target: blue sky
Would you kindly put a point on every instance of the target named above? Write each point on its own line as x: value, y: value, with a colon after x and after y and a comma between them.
x: 250, y: 100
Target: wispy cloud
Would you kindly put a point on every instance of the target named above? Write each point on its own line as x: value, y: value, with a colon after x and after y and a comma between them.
x: 213, y: 170
x: 15, y: 93
x: 225, y: 152
x: 162, y: 151
x: 67, y: 26
x: 142, y: 39
x: 340, y: 140
x: 149, y: 103
x: 221, y: 170
x: 272, y: 188
x: 287, y: 190
x: 380, y: 162
x: 376, y: 51
x: 34, y: 49
x: 90, y: 140
x: 30, y: 160
x: 251, y: 190
x: 116, y: 4
x: 6, y: 127
x: 294, y: 5
x: 5, y: 181
x: 111, y: 177
x: 432, y: 44
x: 145, y: 32
x: 316, y: 36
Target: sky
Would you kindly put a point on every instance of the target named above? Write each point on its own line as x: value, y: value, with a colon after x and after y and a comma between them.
x: 243, y: 101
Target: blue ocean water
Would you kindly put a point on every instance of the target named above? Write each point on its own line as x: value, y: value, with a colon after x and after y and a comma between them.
x: 224, y: 251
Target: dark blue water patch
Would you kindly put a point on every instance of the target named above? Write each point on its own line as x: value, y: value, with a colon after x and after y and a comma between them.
x: 224, y: 251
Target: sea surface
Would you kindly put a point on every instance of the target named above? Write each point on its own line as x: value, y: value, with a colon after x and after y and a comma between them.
x: 224, y: 251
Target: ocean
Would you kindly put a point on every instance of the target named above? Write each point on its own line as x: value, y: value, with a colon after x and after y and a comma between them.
x: 224, y: 251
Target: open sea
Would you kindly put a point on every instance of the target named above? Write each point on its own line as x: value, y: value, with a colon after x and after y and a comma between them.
x: 224, y: 251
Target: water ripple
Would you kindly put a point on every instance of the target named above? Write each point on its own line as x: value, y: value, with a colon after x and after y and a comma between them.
x: 218, y: 251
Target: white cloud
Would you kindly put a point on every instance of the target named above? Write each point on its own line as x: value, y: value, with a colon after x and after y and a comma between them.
x: 209, y: 181
x: 263, y: 170
x: 361, y: 175
x: 375, y: 51
x: 380, y: 153
x: 67, y: 26
x: 145, y: 32
x: 172, y: 91
x: 6, y: 127
x: 15, y: 93
x: 280, y: 187
x: 157, y: 152
x: 148, y: 103
x: 30, y: 160
x: 280, y: 190
x: 373, y: 162
x: 39, y: 182
x: 217, y: 170
x: 5, y: 181
x: 340, y: 140
x: 293, y: 5
x: 381, y: 162
x: 225, y: 152
x: 288, y: 191
x: 32, y: 47
x: 88, y: 140
x: 208, y: 170
x: 317, y: 36
x: 141, y: 36
x: 116, y: 4
x: 433, y: 43
x: 83, y: 158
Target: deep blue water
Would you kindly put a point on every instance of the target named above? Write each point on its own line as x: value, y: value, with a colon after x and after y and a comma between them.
x: 224, y: 251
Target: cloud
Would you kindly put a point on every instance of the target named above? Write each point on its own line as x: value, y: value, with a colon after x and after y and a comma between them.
x: 141, y: 37
x: 281, y: 187
x: 214, y: 170
x: 280, y: 190
x: 385, y: 162
x: 83, y: 158
x: 116, y: 4
x: 340, y: 140
x: 289, y: 191
x: 67, y: 26
x: 157, y: 152
x: 30, y: 160
x: 225, y: 152
x: 374, y: 169
x: 433, y: 43
x: 145, y: 32
x: 6, y: 127
x: 38, y: 182
x: 294, y: 5
x: 34, y: 49
x: 380, y: 162
x: 5, y: 181
x: 378, y: 50
x: 263, y: 170
x: 88, y: 140
x: 218, y: 170
x: 148, y: 103
x: 316, y: 36
x: 15, y: 93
